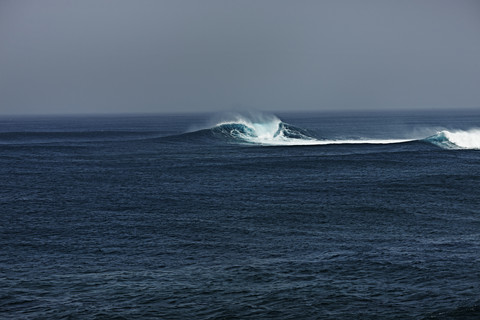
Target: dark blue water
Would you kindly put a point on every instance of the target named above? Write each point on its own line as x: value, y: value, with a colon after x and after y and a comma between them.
x: 175, y: 217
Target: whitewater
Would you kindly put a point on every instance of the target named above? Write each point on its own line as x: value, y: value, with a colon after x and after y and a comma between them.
x: 272, y: 131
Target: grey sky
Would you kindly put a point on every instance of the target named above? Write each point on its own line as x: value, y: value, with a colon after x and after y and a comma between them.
x: 60, y: 56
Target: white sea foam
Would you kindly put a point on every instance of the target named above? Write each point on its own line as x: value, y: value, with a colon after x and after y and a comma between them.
x: 273, y: 131
x: 270, y: 130
x: 458, y: 139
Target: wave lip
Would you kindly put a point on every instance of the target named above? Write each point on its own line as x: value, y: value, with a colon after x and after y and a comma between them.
x: 459, y: 139
x: 274, y: 132
x: 271, y: 131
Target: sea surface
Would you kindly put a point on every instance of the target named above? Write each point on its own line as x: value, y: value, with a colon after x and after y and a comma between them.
x: 353, y: 215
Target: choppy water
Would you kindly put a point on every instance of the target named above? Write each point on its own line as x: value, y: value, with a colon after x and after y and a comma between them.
x: 293, y: 216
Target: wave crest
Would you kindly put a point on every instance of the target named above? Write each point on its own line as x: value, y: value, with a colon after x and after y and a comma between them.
x: 459, y: 139
x: 271, y: 132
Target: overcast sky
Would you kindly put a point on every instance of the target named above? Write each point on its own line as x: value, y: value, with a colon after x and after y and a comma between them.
x: 61, y: 56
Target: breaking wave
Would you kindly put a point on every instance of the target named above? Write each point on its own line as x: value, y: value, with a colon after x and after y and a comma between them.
x: 458, y: 139
x: 271, y: 131
x: 275, y: 132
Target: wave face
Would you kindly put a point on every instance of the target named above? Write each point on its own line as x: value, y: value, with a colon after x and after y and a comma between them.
x: 458, y: 139
x: 269, y: 132
x: 273, y: 131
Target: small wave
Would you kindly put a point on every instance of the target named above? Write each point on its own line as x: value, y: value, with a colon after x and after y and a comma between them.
x: 45, y: 137
x: 458, y: 139
x: 464, y: 312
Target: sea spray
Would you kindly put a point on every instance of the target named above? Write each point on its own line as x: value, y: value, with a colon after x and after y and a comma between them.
x: 458, y: 139
x: 270, y: 130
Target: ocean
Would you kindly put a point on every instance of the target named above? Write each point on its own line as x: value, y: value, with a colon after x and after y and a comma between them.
x: 327, y: 215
